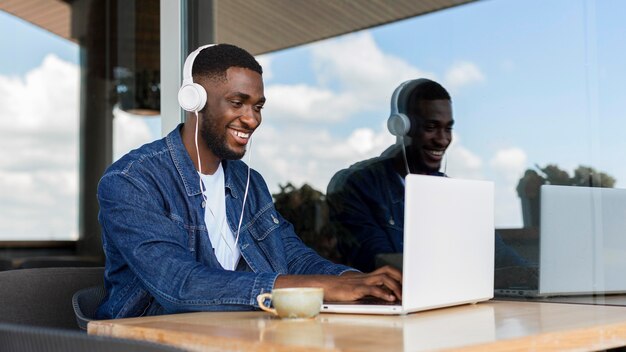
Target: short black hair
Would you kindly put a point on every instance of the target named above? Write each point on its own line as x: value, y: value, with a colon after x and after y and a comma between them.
x: 212, y: 62
x: 425, y: 90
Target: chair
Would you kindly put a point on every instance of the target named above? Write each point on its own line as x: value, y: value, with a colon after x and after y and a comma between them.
x: 85, y: 303
x: 21, y: 338
x: 43, y: 296
x: 5, y: 264
x: 58, y: 261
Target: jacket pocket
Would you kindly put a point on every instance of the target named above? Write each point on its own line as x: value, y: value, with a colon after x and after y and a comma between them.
x: 264, y: 223
x: 189, y: 230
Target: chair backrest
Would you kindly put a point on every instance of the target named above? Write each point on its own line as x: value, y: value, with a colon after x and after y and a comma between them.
x: 57, y: 261
x: 5, y: 264
x: 43, y: 296
x: 85, y: 303
x: 21, y: 338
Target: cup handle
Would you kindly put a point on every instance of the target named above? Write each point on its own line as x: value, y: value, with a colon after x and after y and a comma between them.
x: 261, y: 301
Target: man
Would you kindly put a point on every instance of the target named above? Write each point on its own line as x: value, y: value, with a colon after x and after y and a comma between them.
x: 366, y: 201
x: 176, y: 233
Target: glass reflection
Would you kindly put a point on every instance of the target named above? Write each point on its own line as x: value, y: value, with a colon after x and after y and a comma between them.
x: 366, y: 200
x: 529, y: 112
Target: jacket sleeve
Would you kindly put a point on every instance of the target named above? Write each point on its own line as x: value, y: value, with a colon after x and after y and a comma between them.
x: 137, y: 227
x: 352, y: 211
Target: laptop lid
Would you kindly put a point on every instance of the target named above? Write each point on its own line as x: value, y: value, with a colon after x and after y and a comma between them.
x: 448, y: 246
x: 582, y: 240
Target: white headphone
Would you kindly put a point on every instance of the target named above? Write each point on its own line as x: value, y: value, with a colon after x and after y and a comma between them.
x: 399, y: 123
x: 192, y: 96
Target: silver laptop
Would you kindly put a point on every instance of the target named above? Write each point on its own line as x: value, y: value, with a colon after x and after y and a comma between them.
x: 582, y: 243
x: 448, y: 246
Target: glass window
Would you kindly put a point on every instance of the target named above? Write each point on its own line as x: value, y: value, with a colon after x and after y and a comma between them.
x: 537, y: 98
x: 39, y: 129
x: 72, y: 103
x: 527, y: 92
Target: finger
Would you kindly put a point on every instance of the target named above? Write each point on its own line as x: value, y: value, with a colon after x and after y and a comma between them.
x: 380, y: 292
x: 393, y: 286
x: 391, y: 271
x: 382, y: 278
x: 386, y: 282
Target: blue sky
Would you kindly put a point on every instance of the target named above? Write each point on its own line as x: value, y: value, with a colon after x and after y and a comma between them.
x: 24, y: 46
x: 532, y: 82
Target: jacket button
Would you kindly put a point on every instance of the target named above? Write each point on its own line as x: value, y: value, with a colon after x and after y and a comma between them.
x: 203, y: 204
x: 391, y: 222
x: 274, y: 218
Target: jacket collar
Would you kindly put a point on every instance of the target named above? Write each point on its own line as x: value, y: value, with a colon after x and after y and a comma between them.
x: 187, y: 170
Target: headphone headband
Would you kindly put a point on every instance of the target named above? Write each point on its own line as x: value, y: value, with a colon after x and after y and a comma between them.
x: 399, y: 99
x: 188, y: 67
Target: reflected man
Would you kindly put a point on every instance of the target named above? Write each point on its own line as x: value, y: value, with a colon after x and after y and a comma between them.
x: 366, y: 200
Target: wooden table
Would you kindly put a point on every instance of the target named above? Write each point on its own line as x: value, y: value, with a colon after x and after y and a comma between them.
x: 487, y: 326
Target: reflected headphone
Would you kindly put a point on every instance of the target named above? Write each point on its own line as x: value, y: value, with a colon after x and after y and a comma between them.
x: 191, y: 96
x: 399, y: 123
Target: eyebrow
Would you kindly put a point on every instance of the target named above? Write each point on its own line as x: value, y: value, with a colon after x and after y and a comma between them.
x: 435, y: 121
x: 245, y: 96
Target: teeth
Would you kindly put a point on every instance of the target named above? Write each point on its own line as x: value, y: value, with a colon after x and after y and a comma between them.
x: 436, y: 152
x: 242, y: 134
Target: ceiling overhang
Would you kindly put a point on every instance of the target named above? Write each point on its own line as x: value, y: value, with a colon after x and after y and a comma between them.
x: 55, y: 16
x: 270, y: 25
x: 260, y: 26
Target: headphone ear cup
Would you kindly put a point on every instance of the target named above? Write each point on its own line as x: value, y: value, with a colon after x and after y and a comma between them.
x: 192, y: 97
x: 399, y: 124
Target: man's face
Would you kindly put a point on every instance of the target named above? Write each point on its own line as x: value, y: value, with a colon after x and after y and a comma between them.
x: 233, y: 112
x: 433, y: 136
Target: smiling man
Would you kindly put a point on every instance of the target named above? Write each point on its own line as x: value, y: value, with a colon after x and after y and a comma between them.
x: 187, y: 226
x: 366, y: 201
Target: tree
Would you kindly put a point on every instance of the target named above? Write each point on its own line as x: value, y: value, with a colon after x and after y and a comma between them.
x: 306, y: 209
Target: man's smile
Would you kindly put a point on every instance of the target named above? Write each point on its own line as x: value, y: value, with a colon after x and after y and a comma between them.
x: 435, y: 153
x: 241, y: 137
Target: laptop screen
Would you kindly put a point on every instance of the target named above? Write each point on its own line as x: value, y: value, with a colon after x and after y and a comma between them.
x: 582, y: 240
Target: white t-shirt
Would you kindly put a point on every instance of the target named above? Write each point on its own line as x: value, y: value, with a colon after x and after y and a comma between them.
x: 221, y: 236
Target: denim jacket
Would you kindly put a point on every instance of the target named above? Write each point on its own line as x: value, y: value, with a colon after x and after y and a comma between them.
x: 366, y: 202
x: 159, y: 258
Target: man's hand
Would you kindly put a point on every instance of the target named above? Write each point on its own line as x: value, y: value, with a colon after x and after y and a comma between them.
x: 384, y: 283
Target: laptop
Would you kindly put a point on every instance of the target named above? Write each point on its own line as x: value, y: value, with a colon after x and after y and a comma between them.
x: 448, y: 246
x: 582, y: 243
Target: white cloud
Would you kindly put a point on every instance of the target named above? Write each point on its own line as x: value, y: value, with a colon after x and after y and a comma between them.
x: 39, y: 143
x: 130, y: 132
x: 297, y: 103
x: 461, y: 74
x: 266, y: 63
x: 508, y: 166
x: 39, y: 136
x: 358, y: 64
x: 510, y: 163
x: 354, y: 76
x: 461, y: 162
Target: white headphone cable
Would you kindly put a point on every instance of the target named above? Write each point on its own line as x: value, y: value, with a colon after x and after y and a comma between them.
x: 199, y: 162
x: 406, y: 162
x: 245, y: 194
x: 198, y: 155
